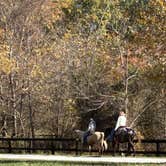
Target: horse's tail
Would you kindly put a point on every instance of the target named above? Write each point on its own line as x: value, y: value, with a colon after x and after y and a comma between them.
x: 101, y: 142
x: 101, y: 137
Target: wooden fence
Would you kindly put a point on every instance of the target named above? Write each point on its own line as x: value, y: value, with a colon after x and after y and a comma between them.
x: 32, y: 145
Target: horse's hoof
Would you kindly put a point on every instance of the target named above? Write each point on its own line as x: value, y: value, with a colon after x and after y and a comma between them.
x: 122, y: 154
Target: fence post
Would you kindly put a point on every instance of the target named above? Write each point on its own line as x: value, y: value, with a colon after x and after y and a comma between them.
x: 30, y: 146
x: 52, y: 147
x: 157, y: 148
x: 76, y: 141
x: 10, y: 146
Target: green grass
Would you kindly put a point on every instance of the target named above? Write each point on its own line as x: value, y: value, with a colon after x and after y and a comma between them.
x: 45, y: 163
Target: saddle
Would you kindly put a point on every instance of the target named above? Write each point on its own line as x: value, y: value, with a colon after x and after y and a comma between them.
x: 86, y: 136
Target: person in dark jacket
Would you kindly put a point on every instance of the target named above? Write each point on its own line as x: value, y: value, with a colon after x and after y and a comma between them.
x: 91, y: 126
x: 91, y: 129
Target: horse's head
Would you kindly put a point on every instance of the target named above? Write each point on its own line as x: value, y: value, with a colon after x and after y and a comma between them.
x: 132, y: 133
x: 79, y: 133
x: 76, y: 131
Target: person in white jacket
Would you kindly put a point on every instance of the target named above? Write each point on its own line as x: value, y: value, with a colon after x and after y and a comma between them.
x: 121, y: 122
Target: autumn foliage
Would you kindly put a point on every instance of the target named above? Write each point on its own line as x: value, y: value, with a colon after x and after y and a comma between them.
x: 64, y: 61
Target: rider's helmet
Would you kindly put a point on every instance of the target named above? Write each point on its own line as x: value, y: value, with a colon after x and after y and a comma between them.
x: 91, y: 119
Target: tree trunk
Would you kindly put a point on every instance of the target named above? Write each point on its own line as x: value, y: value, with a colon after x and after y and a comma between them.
x: 126, y: 86
x: 31, y: 119
x: 22, y: 129
x: 4, y: 120
x: 13, y: 104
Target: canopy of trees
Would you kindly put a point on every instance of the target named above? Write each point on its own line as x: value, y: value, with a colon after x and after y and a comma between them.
x: 64, y: 61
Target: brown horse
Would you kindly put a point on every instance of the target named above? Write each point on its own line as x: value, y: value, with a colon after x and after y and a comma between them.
x: 122, y: 135
x: 96, y: 139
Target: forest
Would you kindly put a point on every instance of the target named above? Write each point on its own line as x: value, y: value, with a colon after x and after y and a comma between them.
x: 65, y: 61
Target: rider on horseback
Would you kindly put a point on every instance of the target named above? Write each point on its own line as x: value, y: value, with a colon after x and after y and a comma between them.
x: 121, y: 122
x: 91, y: 126
x: 91, y: 129
x: 121, y: 134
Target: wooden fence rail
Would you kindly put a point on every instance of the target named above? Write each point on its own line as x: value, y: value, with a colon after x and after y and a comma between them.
x: 65, y: 145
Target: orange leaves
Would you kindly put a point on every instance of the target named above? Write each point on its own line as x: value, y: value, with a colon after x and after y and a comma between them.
x: 52, y: 12
x: 137, y: 62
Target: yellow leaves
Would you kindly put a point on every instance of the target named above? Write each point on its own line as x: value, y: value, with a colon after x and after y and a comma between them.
x: 158, y: 6
x: 4, y: 50
x: 1, y: 32
x: 67, y: 35
x: 66, y: 3
x: 94, y: 17
x: 36, y: 71
x: 141, y: 21
x: 161, y: 3
x: 6, y: 65
x: 69, y: 105
x: 40, y: 51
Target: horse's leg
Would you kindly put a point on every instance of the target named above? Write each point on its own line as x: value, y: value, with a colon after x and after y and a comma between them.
x: 81, y: 151
x: 99, y: 149
x: 114, y: 147
x: 101, y: 144
x: 128, y: 149
x: 131, y: 144
x: 102, y: 148
x: 133, y: 149
x: 118, y: 149
x: 90, y: 149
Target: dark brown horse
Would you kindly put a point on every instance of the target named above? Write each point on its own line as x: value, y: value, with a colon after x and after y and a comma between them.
x: 122, y: 135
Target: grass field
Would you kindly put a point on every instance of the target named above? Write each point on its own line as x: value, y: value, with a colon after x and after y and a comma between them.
x: 36, y: 163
